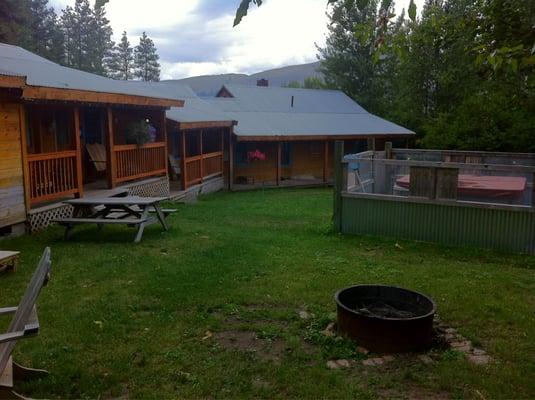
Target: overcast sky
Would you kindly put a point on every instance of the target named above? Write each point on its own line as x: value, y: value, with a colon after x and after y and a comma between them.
x: 196, y: 37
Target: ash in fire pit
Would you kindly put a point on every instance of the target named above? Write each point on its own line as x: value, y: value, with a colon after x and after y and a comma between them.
x: 380, y: 309
x: 386, y: 319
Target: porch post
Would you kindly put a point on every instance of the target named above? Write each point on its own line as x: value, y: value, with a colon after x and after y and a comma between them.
x: 25, y: 165
x: 231, y: 160
x: 222, y: 131
x: 182, y: 134
x: 112, y: 162
x: 325, y: 160
x: 79, y: 176
x: 279, y: 157
x: 340, y: 184
x: 202, y: 158
x: 164, y: 130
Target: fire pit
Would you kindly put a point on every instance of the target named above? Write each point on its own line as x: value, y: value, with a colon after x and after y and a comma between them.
x: 386, y: 319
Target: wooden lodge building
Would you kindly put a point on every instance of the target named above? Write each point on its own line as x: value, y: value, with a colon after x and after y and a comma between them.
x: 67, y: 133
x: 63, y: 133
x: 285, y: 136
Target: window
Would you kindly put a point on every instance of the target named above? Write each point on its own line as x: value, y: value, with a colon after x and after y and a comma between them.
x: 241, y: 153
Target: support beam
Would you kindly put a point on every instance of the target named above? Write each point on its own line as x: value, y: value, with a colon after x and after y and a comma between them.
x: 279, y: 159
x: 340, y: 184
x: 163, y: 122
x: 222, y: 132
x: 371, y: 144
x: 183, y: 159
x: 24, y: 148
x: 325, y: 161
x: 112, y: 162
x: 231, y: 160
x: 79, y: 175
x: 200, y: 153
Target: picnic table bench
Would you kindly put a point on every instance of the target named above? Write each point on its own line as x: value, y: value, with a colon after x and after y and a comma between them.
x: 24, y: 324
x: 132, y: 211
x: 9, y: 260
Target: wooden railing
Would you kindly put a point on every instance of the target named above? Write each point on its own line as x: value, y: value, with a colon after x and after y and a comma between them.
x: 52, y: 175
x: 202, y: 167
x: 134, y: 162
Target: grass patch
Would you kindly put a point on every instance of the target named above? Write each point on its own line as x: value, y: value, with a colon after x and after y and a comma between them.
x: 120, y: 319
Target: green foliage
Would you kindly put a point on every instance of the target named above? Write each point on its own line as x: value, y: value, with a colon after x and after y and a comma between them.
x: 147, y: 67
x: 244, y: 8
x: 138, y: 133
x: 310, y: 82
x: 120, y: 63
x: 461, y: 74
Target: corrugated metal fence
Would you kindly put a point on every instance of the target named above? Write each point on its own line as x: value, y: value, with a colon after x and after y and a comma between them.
x: 506, y: 228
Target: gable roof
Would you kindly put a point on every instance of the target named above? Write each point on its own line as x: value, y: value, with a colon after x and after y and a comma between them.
x: 42, y: 79
x: 195, y: 109
x: 272, y: 112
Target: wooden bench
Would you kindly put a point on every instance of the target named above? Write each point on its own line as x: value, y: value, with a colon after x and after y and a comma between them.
x: 9, y: 260
x: 24, y: 324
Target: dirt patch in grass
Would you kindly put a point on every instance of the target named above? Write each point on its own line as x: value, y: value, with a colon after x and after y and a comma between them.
x: 248, y: 341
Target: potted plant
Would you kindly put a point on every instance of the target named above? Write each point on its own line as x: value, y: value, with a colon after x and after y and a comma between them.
x: 139, y: 132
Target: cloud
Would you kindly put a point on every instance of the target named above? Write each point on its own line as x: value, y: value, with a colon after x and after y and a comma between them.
x: 196, y: 37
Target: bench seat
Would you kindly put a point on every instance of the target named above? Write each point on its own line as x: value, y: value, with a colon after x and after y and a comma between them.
x: 100, y: 221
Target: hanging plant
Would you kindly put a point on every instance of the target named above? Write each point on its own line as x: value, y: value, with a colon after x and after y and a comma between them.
x: 255, y: 155
x: 138, y: 133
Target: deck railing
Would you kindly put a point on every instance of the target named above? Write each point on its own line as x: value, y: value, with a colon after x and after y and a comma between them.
x: 203, y: 167
x: 52, y: 175
x: 135, y: 162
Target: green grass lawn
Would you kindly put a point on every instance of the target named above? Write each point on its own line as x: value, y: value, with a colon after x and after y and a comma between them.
x: 156, y: 319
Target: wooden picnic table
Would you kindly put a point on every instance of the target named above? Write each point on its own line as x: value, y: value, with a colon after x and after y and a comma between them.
x: 131, y: 210
x: 9, y: 260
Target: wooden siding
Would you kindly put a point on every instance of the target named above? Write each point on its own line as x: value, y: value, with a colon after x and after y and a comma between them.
x: 12, y: 208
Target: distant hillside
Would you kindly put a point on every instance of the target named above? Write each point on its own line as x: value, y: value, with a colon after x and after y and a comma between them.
x: 208, y: 85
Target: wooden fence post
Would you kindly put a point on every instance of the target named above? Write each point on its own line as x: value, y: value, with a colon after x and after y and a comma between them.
x: 340, y: 182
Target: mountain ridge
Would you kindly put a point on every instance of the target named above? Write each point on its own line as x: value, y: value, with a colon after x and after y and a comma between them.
x: 209, y: 85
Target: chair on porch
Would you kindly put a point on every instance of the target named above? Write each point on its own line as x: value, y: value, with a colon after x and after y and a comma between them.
x: 174, y: 163
x: 23, y: 325
x: 97, y: 154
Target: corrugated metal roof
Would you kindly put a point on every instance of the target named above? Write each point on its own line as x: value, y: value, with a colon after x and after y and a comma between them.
x: 195, y: 109
x: 268, y: 111
x: 39, y: 71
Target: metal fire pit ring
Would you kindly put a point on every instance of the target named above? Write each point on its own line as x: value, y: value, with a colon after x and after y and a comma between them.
x: 386, y: 334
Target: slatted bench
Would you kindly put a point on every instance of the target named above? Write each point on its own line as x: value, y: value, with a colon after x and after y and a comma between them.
x: 24, y: 324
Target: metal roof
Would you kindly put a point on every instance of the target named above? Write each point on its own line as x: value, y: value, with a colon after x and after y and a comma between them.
x: 15, y: 61
x: 195, y: 109
x: 268, y: 111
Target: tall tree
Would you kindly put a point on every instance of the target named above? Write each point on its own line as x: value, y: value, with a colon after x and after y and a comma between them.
x: 121, y: 62
x: 77, y: 25
x: 102, y: 45
x: 44, y: 33
x: 13, y: 17
x: 147, y: 67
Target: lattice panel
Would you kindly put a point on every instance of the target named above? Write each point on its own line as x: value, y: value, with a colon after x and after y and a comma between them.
x: 43, y: 219
x: 159, y: 188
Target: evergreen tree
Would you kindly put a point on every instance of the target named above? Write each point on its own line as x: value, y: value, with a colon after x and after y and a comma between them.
x: 13, y: 18
x: 147, y: 67
x: 101, y: 38
x: 121, y: 62
x: 44, y: 33
x: 78, y: 29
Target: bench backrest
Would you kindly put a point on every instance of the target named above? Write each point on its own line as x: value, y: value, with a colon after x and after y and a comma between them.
x: 24, y: 310
x: 97, y: 153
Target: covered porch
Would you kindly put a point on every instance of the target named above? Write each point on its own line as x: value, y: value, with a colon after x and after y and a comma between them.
x: 197, y: 152
x: 69, y: 150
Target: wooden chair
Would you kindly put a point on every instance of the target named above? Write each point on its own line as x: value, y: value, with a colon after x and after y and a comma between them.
x: 23, y: 325
x: 97, y: 154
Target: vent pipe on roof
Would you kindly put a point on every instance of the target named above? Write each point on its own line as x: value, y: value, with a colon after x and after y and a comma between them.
x: 292, y: 101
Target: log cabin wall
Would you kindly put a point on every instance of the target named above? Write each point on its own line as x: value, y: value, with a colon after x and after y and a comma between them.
x: 12, y: 206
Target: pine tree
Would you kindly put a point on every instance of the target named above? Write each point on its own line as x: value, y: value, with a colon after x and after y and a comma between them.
x: 101, y: 39
x: 44, y: 33
x: 78, y: 28
x: 121, y: 62
x: 13, y: 18
x: 146, y: 60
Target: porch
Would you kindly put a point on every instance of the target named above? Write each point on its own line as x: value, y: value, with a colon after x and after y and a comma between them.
x: 196, y: 153
x: 68, y: 150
